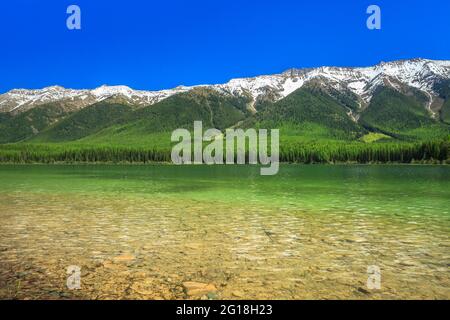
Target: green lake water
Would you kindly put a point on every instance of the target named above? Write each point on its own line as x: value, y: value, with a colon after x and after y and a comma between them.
x: 145, y: 232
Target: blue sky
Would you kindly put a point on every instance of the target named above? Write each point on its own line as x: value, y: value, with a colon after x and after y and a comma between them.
x: 161, y: 44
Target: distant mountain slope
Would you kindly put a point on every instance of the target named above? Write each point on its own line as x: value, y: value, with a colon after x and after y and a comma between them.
x: 443, y: 89
x: 214, y: 109
x: 445, y: 112
x: 408, y: 99
x: 400, y: 115
x: 27, y: 124
x: 85, y: 122
x: 309, y: 111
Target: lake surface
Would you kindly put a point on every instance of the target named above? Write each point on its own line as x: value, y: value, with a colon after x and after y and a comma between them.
x: 145, y: 232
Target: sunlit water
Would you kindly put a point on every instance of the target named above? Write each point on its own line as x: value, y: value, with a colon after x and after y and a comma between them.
x: 140, y: 232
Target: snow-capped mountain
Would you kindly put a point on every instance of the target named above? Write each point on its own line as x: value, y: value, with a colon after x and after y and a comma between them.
x: 421, y: 74
x: 418, y: 73
x: 19, y: 100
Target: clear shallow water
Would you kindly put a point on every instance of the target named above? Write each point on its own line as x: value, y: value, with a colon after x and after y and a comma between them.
x: 143, y: 231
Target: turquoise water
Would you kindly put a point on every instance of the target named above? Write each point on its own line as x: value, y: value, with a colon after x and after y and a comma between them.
x: 308, y: 232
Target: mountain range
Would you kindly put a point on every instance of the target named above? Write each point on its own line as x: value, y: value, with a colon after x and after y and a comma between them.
x: 405, y: 100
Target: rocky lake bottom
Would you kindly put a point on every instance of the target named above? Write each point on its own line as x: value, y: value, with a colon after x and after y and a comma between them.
x: 165, y: 233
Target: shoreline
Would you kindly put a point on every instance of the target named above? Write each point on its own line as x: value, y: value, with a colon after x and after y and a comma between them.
x: 153, y: 163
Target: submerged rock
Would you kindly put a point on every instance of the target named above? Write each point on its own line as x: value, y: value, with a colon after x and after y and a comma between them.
x: 363, y: 290
x: 238, y: 294
x: 124, y: 258
x: 198, y: 289
x: 143, y: 287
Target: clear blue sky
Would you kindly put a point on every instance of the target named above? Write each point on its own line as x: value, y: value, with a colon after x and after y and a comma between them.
x: 161, y: 44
